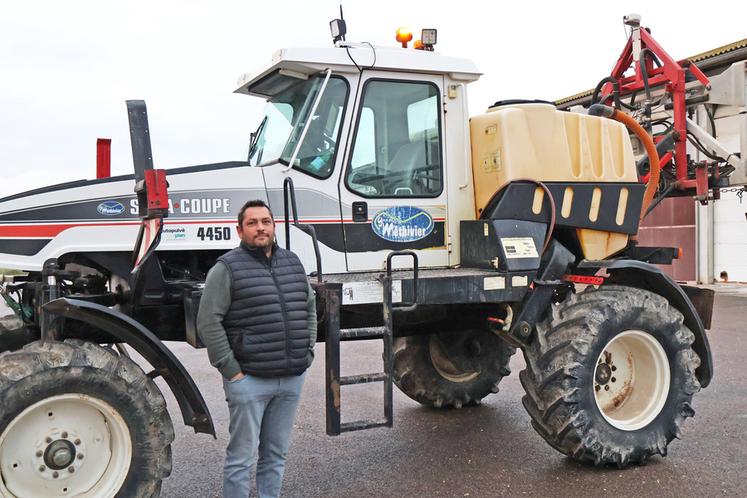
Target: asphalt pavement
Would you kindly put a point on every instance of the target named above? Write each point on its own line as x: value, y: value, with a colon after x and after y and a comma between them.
x: 485, y: 451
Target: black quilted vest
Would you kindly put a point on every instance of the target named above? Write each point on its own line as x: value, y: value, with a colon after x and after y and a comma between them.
x: 267, y: 323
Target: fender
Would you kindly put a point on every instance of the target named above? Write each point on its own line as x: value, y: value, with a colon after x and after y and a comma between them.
x: 193, y: 407
x: 645, y: 276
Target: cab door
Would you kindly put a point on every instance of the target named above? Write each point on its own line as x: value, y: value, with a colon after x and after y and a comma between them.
x: 393, y: 184
x: 315, y: 169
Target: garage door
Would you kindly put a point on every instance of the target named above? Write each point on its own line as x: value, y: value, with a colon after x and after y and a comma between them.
x: 672, y: 224
x: 730, y: 237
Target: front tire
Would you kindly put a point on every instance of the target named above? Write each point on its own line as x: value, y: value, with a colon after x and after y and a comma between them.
x: 451, y: 369
x: 79, y: 420
x: 610, y: 376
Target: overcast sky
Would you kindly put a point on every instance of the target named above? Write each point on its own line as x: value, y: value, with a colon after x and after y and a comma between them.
x: 66, y: 67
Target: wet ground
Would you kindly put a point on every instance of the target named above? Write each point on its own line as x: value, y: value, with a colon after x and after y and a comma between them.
x: 485, y: 451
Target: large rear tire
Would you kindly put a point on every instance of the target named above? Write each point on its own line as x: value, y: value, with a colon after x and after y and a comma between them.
x: 79, y: 420
x: 610, y: 376
x: 451, y: 369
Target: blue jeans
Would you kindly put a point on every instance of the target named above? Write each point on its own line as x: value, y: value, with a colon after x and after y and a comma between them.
x: 261, y: 413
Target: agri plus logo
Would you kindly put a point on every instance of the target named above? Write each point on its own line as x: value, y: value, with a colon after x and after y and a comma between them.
x: 402, y: 224
x: 110, y: 208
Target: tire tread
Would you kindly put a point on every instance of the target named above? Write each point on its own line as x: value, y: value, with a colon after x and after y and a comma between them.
x: 75, y: 354
x: 554, y: 360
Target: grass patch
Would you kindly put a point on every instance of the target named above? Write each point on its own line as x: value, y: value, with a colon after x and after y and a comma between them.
x: 5, y: 271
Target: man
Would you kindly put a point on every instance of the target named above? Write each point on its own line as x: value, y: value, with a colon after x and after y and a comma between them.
x: 257, y: 318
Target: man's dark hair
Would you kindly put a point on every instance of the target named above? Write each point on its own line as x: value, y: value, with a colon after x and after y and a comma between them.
x: 255, y: 203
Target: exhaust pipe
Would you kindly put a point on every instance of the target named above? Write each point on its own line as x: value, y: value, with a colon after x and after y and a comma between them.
x: 103, y: 157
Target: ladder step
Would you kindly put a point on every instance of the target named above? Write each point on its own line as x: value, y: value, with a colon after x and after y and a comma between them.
x: 362, y: 333
x: 363, y: 378
x: 360, y: 425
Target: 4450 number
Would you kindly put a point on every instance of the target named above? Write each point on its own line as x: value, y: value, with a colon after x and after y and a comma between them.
x: 214, y: 233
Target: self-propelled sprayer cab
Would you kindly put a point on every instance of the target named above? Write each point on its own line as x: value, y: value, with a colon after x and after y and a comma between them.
x: 362, y: 130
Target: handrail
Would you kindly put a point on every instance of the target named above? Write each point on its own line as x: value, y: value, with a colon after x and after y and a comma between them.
x: 409, y: 306
x: 288, y: 188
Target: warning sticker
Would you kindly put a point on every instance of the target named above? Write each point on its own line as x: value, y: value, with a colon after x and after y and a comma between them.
x: 494, y: 283
x: 519, y: 281
x: 519, y: 247
x: 369, y: 292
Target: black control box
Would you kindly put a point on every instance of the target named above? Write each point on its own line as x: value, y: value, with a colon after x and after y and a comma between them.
x: 504, y: 245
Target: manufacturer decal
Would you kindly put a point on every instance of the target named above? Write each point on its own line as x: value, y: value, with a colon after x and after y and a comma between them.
x: 192, y: 205
x: 174, y: 233
x: 110, y: 208
x: 402, y: 224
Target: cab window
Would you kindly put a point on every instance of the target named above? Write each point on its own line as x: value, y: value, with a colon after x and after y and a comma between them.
x: 397, y: 143
x: 287, y: 114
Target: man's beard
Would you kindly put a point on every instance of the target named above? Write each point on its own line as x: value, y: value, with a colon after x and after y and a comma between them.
x: 262, y: 245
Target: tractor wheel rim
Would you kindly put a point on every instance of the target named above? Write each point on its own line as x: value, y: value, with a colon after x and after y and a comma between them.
x: 631, y: 380
x: 445, y: 367
x: 65, y: 445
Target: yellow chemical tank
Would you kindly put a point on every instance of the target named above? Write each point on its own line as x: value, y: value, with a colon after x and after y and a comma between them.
x: 539, y: 142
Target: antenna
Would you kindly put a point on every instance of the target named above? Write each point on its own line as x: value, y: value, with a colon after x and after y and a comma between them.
x: 337, y: 28
x: 342, y: 18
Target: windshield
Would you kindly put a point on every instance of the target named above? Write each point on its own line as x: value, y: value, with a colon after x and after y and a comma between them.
x: 278, y: 134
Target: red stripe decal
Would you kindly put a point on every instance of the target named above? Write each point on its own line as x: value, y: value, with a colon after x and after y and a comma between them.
x: 49, y: 230
x: 54, y: 229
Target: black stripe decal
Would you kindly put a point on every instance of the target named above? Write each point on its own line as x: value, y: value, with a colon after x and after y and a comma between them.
x: 23, y: 247
x: 361, y: 238
x: 111, y: 179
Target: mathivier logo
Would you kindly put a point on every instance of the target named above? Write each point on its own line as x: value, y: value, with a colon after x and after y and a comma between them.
x: 402, y: 224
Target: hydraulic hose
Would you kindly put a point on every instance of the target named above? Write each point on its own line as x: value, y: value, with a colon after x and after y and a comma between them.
x: 648, y: 142
x: 644, y: 72
x: 644, y: 75
x: 548, y: 196
x: 615, y: 93
x: 598, y: 89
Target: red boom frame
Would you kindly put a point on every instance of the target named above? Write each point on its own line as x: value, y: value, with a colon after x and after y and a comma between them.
x: 671, y: 75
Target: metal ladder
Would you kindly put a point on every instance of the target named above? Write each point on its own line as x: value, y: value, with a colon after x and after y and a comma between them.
x: 334, y: 335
